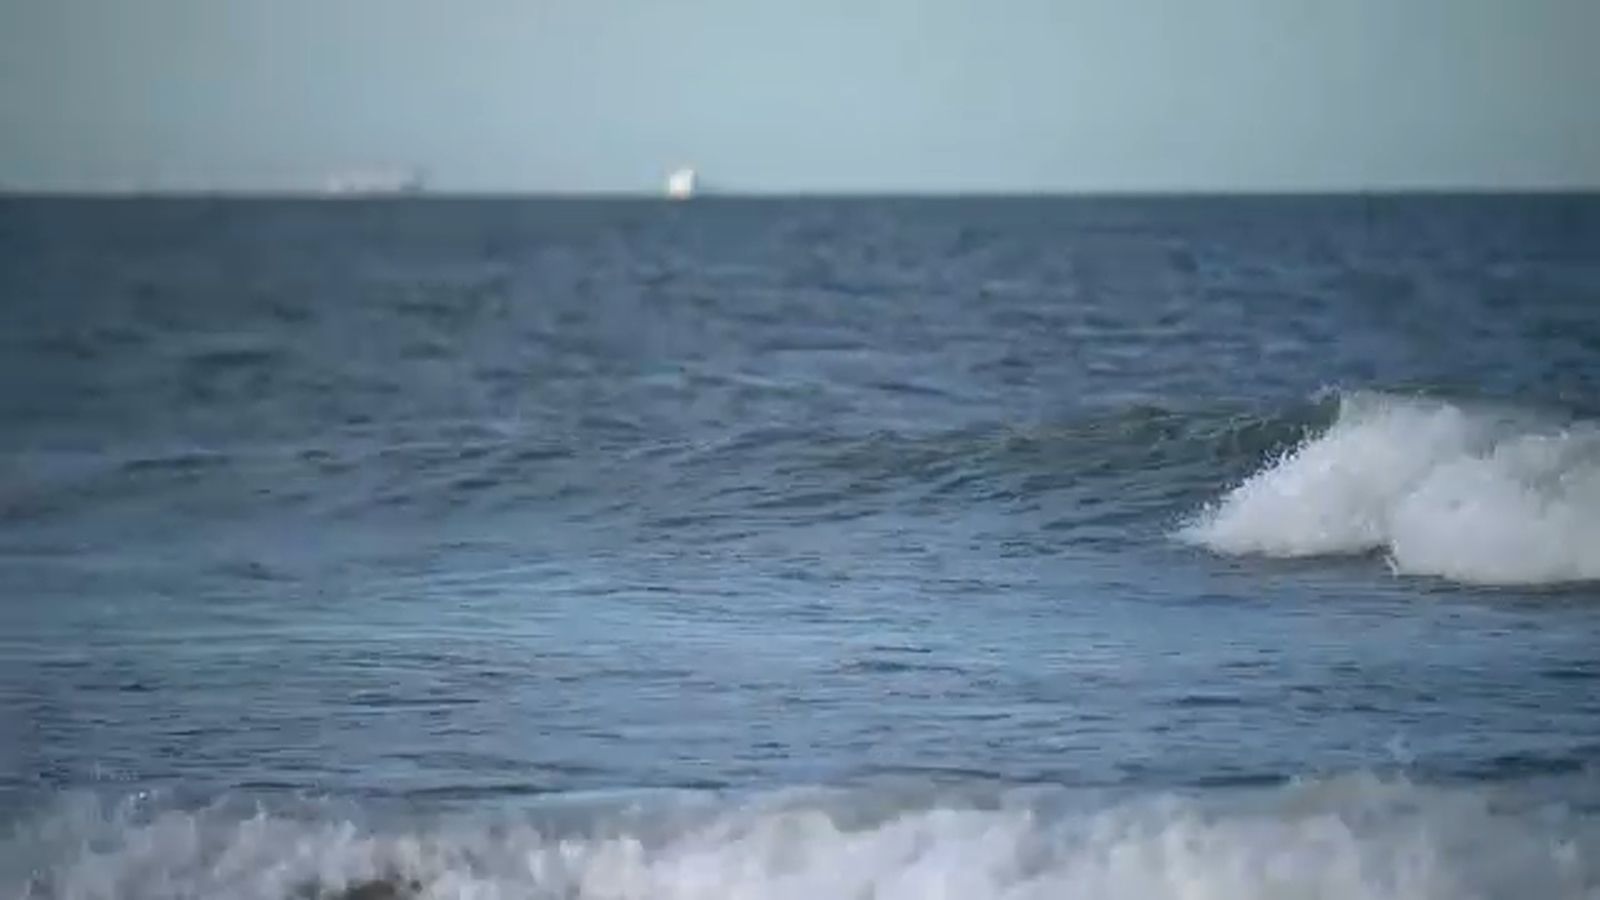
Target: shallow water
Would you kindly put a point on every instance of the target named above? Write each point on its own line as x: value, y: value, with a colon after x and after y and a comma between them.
x: 766, y: 548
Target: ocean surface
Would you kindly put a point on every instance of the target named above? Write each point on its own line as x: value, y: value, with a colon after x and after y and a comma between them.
x: 869, y: 549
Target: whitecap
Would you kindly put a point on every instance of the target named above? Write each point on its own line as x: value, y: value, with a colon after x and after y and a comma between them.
x: 1480, y: 495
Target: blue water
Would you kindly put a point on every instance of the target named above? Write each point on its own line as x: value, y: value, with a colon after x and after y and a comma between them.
x: 870, y: 548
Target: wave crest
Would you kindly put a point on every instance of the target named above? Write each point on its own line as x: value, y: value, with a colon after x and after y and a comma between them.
x: 1471, y: 494
x: 1353, y: 837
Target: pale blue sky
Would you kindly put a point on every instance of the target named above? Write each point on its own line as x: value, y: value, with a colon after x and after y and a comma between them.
x: 804, y: 95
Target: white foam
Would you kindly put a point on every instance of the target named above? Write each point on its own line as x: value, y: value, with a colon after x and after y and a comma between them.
x: 1475, y: 495
x: 1351, y: 838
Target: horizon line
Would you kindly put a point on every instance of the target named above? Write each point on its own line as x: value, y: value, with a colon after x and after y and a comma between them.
x: 308, y: 194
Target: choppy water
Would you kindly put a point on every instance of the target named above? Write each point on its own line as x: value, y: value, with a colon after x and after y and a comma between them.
x: 1097, y: 548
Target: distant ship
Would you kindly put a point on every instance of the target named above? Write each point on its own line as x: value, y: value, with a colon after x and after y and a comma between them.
x: 681, y: 184
x: 373, y: 182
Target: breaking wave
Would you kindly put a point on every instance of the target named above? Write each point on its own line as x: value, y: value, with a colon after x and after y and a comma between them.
x: 1353, y: 837
x: 1474, y: 494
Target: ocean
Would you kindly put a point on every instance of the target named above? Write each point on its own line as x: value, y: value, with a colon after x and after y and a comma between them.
x: 1196, y: 547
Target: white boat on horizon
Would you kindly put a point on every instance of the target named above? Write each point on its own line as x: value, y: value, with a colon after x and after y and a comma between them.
x: 681, y: 184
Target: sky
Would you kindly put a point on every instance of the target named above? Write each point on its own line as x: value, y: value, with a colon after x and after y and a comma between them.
x: 803, y: 95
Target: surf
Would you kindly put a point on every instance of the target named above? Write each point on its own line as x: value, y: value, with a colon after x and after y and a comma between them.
x: 1472, y: 493
x: 1358, y: 836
